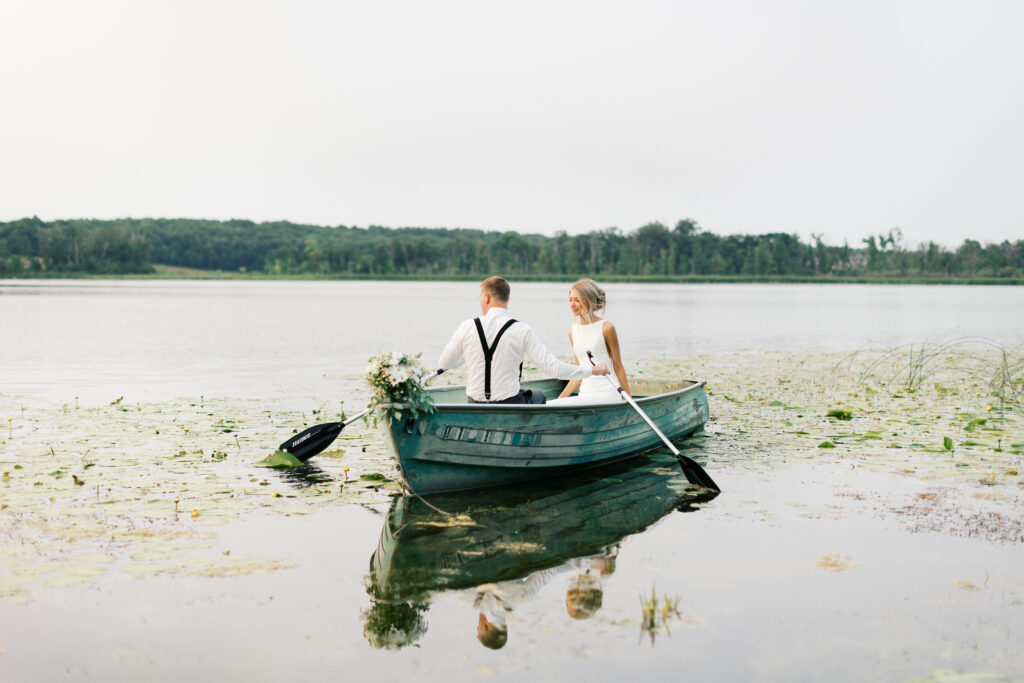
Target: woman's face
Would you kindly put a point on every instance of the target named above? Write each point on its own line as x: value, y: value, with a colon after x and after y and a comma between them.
x: 575, y: 303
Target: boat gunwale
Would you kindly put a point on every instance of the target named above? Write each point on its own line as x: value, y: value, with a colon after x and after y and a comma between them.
x: 531, y: 407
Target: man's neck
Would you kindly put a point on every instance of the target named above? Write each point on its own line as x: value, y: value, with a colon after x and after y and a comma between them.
x: 499, y: 308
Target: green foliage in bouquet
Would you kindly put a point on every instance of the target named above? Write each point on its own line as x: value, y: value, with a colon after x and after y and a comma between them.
x: 398, y: 378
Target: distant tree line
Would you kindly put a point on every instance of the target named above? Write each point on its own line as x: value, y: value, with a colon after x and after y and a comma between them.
x: 31, y: 246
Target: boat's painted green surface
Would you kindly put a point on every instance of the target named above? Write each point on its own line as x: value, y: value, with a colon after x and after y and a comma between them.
x: 466, y: 446
x: 500, y: 535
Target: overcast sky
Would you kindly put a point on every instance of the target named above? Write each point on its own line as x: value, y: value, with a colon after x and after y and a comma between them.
x: 844, y: 119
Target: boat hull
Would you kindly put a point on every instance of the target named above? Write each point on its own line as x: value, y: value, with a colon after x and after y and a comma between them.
x: 463, y: 446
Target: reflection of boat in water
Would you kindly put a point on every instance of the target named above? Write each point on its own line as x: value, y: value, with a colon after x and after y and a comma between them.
x: 498, y: 535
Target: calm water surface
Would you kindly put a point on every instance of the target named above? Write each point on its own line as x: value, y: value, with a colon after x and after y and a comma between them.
x: 390, y: 592
x: 164, y: 339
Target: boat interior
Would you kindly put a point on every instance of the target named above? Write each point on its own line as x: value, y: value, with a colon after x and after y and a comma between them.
x: 553, y: 387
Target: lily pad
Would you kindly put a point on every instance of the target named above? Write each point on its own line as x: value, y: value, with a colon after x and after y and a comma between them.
x: 974, y: 424
x: 280, y: 460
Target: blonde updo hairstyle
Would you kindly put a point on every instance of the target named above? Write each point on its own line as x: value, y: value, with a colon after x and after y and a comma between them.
x: 592, y: 298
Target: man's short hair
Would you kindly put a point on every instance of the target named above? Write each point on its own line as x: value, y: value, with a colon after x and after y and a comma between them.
x: 497, y: 287
x: 493, y: 637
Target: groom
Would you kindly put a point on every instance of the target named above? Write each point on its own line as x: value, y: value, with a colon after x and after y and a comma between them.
x: 493, y: 347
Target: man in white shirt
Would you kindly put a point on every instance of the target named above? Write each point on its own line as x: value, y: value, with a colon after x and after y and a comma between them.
x: 494, y: 346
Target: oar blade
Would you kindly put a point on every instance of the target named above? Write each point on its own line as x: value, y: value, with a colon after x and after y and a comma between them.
x: 695, y: 474
x: 309, y: 442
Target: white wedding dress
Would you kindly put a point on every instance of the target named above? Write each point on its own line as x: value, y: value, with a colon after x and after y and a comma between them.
x: 594, y: 389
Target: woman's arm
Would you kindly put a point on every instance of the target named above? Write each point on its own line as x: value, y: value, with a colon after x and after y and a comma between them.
x: 573, y: 384
x: 611, y: 340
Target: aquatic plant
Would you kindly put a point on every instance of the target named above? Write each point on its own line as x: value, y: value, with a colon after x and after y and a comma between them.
x: 655, y: 613
x: 910, y: 366
x: 1006, y: 380
x: 280, y: 460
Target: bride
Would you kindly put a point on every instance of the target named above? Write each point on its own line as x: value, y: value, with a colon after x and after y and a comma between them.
x: 596, y: 335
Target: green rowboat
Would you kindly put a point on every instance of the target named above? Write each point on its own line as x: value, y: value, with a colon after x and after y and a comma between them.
x: 463, y: 446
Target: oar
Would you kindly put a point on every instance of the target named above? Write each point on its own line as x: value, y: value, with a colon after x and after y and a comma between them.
x: 695, y: 474
x: 309, y: 442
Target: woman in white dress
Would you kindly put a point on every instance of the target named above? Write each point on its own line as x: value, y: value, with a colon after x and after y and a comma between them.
x: 596, y: 335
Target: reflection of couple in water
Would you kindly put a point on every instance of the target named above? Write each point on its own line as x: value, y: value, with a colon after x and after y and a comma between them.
x: 393, y: 626
x: 582, y: 599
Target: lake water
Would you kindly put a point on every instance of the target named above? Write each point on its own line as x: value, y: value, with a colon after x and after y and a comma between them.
x: 883, y: 558
x: 164, y: 339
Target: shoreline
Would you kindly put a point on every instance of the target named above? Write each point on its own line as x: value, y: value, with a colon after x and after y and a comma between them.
x: 174, y: 273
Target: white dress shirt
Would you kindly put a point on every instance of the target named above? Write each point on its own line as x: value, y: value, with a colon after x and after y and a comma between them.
x: 518, y: 342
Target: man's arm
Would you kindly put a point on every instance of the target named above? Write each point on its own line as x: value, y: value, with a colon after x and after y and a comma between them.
x: 546, y: 361
x: 452, y: 356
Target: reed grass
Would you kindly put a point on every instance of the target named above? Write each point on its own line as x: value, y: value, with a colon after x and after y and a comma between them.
x: 910, y: 366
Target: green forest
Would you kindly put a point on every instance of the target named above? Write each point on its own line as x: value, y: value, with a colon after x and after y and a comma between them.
x: 31, y: 247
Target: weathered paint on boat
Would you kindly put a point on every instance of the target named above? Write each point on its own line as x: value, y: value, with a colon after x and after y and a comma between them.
x: 466, y: 446
x: 491, y: 536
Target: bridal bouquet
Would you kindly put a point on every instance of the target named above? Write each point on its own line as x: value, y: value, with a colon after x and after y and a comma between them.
x: 398, y: 378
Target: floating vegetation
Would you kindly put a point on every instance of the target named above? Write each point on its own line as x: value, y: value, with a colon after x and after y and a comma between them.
x: 946, y: 430
x: 75, y: 476
x: 835, y: 563
x: 280, y: 460
x: 116, y: 478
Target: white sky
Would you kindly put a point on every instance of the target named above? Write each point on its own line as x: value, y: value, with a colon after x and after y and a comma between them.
x: 845, y: 119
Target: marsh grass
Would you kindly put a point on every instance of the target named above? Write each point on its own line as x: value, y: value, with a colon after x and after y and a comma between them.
x: 911, y: 366
x: 1007, y: 376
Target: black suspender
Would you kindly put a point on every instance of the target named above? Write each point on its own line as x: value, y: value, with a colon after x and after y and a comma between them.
x: 489, y: 352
